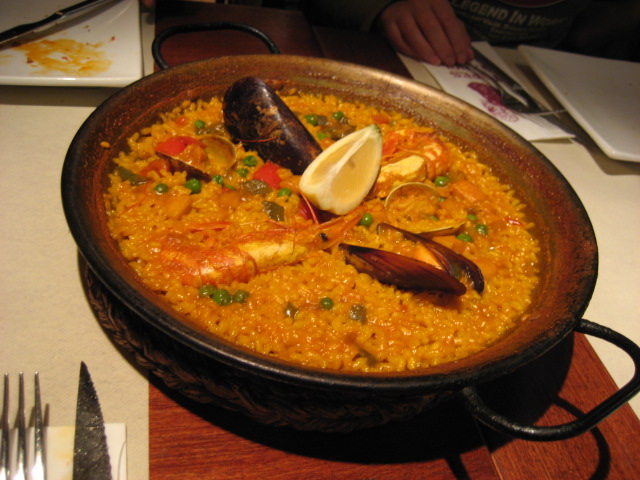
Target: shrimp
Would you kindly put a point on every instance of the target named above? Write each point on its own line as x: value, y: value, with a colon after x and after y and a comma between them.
x: 196, y: 263
x: 411, y: 156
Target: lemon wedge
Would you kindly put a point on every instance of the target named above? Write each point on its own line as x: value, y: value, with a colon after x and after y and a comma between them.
x: 342, y: 175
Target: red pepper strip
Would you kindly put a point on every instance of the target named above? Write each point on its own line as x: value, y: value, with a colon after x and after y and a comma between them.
x: 390, y: 144
x: 268, y: 173
x: 175, y: 145
x: 381, y: 118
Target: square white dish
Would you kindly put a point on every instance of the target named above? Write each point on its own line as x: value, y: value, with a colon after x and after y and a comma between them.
x: 100, y: 47
x: 602, y: 95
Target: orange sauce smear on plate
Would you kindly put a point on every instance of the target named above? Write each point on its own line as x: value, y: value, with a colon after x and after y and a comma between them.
x: 67, y: 56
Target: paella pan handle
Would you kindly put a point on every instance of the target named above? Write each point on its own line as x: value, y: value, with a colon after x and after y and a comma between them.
x: 205, y: 27
x: 483, y: 413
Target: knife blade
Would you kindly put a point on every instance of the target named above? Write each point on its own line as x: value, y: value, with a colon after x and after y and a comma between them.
x: 50, y: 20
x: 91, y: 459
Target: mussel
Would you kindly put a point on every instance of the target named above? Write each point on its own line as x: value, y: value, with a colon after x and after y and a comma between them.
x: 258, y: 118
x: 413, y: 274
x: 451, y: 261
x: 401, y: 271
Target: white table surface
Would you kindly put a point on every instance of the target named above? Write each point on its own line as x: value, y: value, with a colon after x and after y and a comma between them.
x: 46, y: 322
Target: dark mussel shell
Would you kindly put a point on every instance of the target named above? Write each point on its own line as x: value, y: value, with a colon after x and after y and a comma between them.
x: 452, y: 261
x: 256, y: 116
x: 181, y: 166
x: 458, y: 263
x: 401, y: 271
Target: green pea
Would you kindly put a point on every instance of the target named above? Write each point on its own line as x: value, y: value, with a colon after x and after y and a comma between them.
x: 249, y: 161
x: 472, y: 217
x: 206, y: 290
x: 240, y: 296
x: 322, y: 135
x: 199, y: 124
x: 338, y: 116
x: 311, y: 119
x: 161, y: 188
x: 326, y: 303
x: 366, y: 220
x: 465, y: 237
x: 194, y: 185
x: 482, y: 229
x: 284, y: 192
x: 441, y: 181
x: 219, y: 179
x: 222, y: 297
x: 434, y: 218
x: 243, y: 172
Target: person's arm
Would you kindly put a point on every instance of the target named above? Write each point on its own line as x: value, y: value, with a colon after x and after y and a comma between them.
x: 423, y: 29
x: 427, y: 30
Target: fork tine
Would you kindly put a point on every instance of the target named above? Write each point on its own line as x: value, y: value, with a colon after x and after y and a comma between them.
x: 20, y: 467
x: 21, y: 454
x: 37, y: 471
x: 4, y: 441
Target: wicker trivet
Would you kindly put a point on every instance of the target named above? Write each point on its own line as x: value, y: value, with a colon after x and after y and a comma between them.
x: 202, y: 379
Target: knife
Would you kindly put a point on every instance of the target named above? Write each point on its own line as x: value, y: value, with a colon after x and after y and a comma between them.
x: 90, y: 452
x: 53, y: 19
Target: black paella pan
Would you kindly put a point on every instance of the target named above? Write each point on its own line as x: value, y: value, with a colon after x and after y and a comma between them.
x: 271, y: 391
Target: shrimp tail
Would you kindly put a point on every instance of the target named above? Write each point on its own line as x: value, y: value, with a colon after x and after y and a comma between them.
x: 196, y: 264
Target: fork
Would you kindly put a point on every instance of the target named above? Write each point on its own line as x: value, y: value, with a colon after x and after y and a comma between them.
x: 532, y: 110
x: 508, y: 99
x: 22, y: 470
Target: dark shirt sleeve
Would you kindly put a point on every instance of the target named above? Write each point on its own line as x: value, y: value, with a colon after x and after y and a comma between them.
x: 351, y: 14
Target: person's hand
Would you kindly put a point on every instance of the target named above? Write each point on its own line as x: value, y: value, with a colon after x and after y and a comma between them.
x: 427, y: 30
x: 148, y: 3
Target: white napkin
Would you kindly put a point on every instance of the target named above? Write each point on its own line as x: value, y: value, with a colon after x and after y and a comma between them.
x: 469, y: 87
x: 59, y: 450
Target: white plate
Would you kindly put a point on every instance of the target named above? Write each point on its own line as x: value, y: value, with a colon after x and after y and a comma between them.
x: 100, y: 47
x: 602, y: 95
